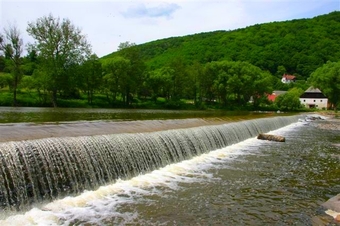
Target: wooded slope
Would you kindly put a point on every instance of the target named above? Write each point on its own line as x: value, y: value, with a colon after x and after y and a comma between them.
x: 300, y: 46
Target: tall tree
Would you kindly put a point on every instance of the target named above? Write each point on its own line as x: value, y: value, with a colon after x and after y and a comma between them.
x: 327, y: 79
x: 132, y: 83
x: 289, y: 100
x: 116, y: 77
x: 91, y: 76
x: 11, y: 45
x: 60, y: 46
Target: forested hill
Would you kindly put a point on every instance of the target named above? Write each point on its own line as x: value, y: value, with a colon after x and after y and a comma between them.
x: 300, y: 46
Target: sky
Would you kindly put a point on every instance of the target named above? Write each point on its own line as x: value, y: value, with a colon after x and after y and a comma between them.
x: 108, y: 23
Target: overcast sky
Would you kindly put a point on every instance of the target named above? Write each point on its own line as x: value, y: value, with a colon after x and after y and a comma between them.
x: 108, y: 23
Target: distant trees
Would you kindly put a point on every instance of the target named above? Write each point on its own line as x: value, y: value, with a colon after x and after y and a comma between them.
x: 11, y: 44
x: 296, y: 47
x: 224, y: 69
x: 236, y: 82
x: 61, y: 47
x: 91, y: 73
x: 327, y: 79
x: 289, y: 101
x: 133, y: 82
x: 116, y: 77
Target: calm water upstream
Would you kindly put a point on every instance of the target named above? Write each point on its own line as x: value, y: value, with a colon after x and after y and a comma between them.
x: 253, y: 182
x: 57, y: 115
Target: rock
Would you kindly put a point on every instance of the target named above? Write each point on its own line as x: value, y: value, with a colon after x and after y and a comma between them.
x: 313, y: 118
x: 263, y: 136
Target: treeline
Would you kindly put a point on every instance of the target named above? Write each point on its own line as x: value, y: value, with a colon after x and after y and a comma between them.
x: 230, y: 70
x: 298, y: 46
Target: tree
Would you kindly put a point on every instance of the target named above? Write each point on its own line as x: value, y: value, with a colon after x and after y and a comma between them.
x: 91, y: 76
x: 290, y: 100
x: 60, y: 46
x: 327, y: 79
x: 132, y: 84
x: 11, y: 45
x: 116, y: 77
x: 161, y: 82
x: 236, y: 82
x: 195, y: 72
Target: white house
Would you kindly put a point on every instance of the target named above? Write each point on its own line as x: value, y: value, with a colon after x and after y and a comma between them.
x: 288, y: 78
x: 314, y: 98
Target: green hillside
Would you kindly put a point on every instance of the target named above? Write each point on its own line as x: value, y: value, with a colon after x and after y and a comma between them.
x: 300, y: 46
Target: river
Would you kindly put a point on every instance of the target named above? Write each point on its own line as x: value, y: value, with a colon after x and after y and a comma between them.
x: 252, y: 182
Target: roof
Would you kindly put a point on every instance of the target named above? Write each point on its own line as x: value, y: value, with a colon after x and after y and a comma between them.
x: 314, y: 93
x: 311, y: 89
x: 279, y: 92
x: 271, y: 97
x: 288, y: 77
x: 275, y: 94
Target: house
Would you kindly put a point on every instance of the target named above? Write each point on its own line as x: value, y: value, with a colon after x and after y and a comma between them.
x: 276, y: 93
x: 288, y: 78
x: 314, y: 98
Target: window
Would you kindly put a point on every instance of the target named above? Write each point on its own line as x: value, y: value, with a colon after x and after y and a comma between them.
x: 320, y: 100
x: 304, y: 100
x: 314, y: 100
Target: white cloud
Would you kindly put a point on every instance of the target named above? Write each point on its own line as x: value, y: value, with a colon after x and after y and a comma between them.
x: 141, y: 10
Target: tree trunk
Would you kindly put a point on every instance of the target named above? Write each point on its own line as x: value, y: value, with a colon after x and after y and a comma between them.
x: 54, y: 98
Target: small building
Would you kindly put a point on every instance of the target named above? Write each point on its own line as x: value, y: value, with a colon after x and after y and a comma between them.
x: 288, y: 78
x: 276, y: 93
x: 314, y: 98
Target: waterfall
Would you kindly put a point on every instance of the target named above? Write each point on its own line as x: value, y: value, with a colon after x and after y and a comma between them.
x: 45, y: 169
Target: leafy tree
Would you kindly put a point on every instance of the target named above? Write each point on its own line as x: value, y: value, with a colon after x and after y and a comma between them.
x: 116, y: 77
x: 5, y: 79
x: 135, y: 77
x: 280, y: 71
x: 237, y: 82
x: 290, y: 100
x: 178, y: 79
x: 195, y: 72
x: 2, y: 63
x: 327, y: 79
x: 60, y: 46
x: 41, y: 82
x: 30, y: 62
x: 11, y: 45
x: 207, y: 82
x: 91, y: 76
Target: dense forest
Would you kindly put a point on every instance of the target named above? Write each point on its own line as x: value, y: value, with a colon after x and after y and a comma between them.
x: 222, y: 69
x: 299, y: 46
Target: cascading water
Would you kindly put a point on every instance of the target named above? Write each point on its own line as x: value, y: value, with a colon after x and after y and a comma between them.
x: 44, y: 169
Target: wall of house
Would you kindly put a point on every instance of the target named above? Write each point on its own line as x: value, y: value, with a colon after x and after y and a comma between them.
x: 318, y: 103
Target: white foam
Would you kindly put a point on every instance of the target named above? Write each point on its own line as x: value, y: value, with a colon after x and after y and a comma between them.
x: 94, y: 206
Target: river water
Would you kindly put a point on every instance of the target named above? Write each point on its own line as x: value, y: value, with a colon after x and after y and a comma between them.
x: 253, y: 182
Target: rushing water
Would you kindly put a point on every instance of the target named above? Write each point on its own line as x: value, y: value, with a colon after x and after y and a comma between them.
x: 253, y: 182
x: 36, y: 170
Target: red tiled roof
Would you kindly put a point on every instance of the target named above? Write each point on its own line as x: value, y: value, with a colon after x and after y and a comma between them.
x: 271, y: 97
x: 288, y: 77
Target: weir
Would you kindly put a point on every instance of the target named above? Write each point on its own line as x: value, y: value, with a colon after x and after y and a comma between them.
x: 44, y: 169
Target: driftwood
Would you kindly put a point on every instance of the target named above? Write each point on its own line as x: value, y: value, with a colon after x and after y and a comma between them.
x: 333, y: 203
x: 263, y: 136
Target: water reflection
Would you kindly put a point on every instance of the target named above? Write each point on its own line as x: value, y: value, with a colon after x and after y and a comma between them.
x: 39, y: 115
